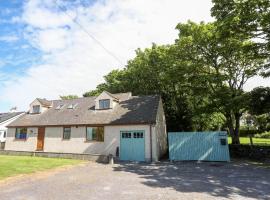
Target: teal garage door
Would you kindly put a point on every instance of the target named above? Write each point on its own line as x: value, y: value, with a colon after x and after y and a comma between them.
x: 132, y: 146
x: 204, y: 146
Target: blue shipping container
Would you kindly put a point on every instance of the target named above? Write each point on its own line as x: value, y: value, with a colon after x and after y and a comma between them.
x: 202, y: 146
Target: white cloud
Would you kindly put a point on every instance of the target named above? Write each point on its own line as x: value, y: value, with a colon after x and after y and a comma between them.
x: 73, y: 62
x: 8, y: 38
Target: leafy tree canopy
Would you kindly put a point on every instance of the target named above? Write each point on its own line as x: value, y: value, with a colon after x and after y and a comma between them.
x: 69, y: 97
x: 260, y: 100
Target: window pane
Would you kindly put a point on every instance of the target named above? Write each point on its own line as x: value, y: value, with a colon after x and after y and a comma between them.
x: 36, y: 109
x: 100, y: 134
x: 67, y: 133
x: 21, y: 133
x: 23, y: 136
x: 89, y: 134
x: 17, y: 135
x: 104, y: 103
x: 94, y: 133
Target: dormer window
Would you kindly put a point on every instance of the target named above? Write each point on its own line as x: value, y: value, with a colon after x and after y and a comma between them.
x: 36, y: 109
x: 104, y: 104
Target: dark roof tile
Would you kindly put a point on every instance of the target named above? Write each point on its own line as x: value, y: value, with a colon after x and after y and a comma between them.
x: 6, y: 116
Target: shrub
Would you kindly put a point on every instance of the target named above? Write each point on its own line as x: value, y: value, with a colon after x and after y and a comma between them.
x: 246, y: 133
x: 263, y: 135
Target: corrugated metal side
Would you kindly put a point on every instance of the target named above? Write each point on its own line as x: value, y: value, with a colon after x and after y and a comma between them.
x: 204, y: 146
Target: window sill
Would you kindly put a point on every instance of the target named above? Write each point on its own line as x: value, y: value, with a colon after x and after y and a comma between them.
x: 65, y: 139
x: 93, y: 141
x: 19, y: 139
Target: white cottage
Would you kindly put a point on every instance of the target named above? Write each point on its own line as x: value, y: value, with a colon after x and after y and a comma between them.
x: 126, y: 126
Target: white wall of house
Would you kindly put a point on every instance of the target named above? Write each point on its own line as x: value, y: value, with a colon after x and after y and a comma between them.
x: 30, y: 144
x: 3, y: 127
x: 77, y: 143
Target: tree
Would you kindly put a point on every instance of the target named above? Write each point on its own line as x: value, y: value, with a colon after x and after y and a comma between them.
x: 155, y: 71
x: 91, y: 93
x: 260, y: 101
x: 247, y: 19
x: 69, y: 97
x: 222, y: 66
x: 259, y: 107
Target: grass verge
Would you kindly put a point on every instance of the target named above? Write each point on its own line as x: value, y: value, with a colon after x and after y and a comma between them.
x: 256, y: 141
x: 15, y: 165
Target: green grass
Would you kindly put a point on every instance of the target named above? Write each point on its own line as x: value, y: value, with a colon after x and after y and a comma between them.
x: 15, y: 165
x: 256, y: 141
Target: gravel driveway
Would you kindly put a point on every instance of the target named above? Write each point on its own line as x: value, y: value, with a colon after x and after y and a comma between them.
x: 164, y: 181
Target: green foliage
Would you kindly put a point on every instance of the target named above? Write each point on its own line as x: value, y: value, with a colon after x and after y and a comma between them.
x: 247, y: 132
x: 209, y: 122
x: 69, y: 97
x: 91, y: 93
x: 262, y: 122
x: 260, y: 100
x: 245, y: 19
x: 263, y: 135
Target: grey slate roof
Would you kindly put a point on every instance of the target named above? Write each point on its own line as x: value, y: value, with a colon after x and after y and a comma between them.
x: 45, y: 102
x: 111, y: 95
x: 6, y: 116
x: 132, y: 110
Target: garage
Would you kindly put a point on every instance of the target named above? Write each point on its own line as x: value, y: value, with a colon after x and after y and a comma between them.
x: 132, y: 145
x: 202, y: 146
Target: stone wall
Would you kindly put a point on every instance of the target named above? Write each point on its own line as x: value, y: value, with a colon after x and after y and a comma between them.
x: 250, y: 152
x: 96, y: 158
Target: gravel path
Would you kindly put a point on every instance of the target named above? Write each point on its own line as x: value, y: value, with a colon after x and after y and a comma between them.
x: 164, y: 181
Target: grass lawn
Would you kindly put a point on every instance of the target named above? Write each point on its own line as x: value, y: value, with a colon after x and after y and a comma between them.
x: 14, y: 165
x: 256, y: 141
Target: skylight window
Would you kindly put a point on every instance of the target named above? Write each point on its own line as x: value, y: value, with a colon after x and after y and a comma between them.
x: 72, y: 106
x: 59, y: 106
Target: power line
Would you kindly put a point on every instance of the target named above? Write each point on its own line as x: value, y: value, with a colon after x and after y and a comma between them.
x: 89, y: 34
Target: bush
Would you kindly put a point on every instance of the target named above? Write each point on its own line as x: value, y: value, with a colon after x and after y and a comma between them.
x: 246, y: 133
x: 263, y: 135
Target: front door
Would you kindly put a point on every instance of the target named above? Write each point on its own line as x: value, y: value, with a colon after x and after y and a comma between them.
x: 132, y: 145
x: 40, y: 138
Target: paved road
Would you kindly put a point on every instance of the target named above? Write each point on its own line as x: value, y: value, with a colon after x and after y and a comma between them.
x: 164, y: 181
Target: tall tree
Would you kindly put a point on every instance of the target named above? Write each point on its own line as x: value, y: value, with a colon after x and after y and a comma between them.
x: 222, y: 65
x: 248, y: 19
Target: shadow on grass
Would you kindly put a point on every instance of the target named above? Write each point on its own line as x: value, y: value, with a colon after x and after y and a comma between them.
x: 216, y: 179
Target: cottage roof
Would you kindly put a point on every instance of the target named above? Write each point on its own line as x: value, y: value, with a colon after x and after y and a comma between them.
x: 129, y: 110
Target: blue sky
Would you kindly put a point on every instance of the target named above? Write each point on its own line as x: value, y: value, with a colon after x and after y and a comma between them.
x: 43, y: 53
x: 16, y: 55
